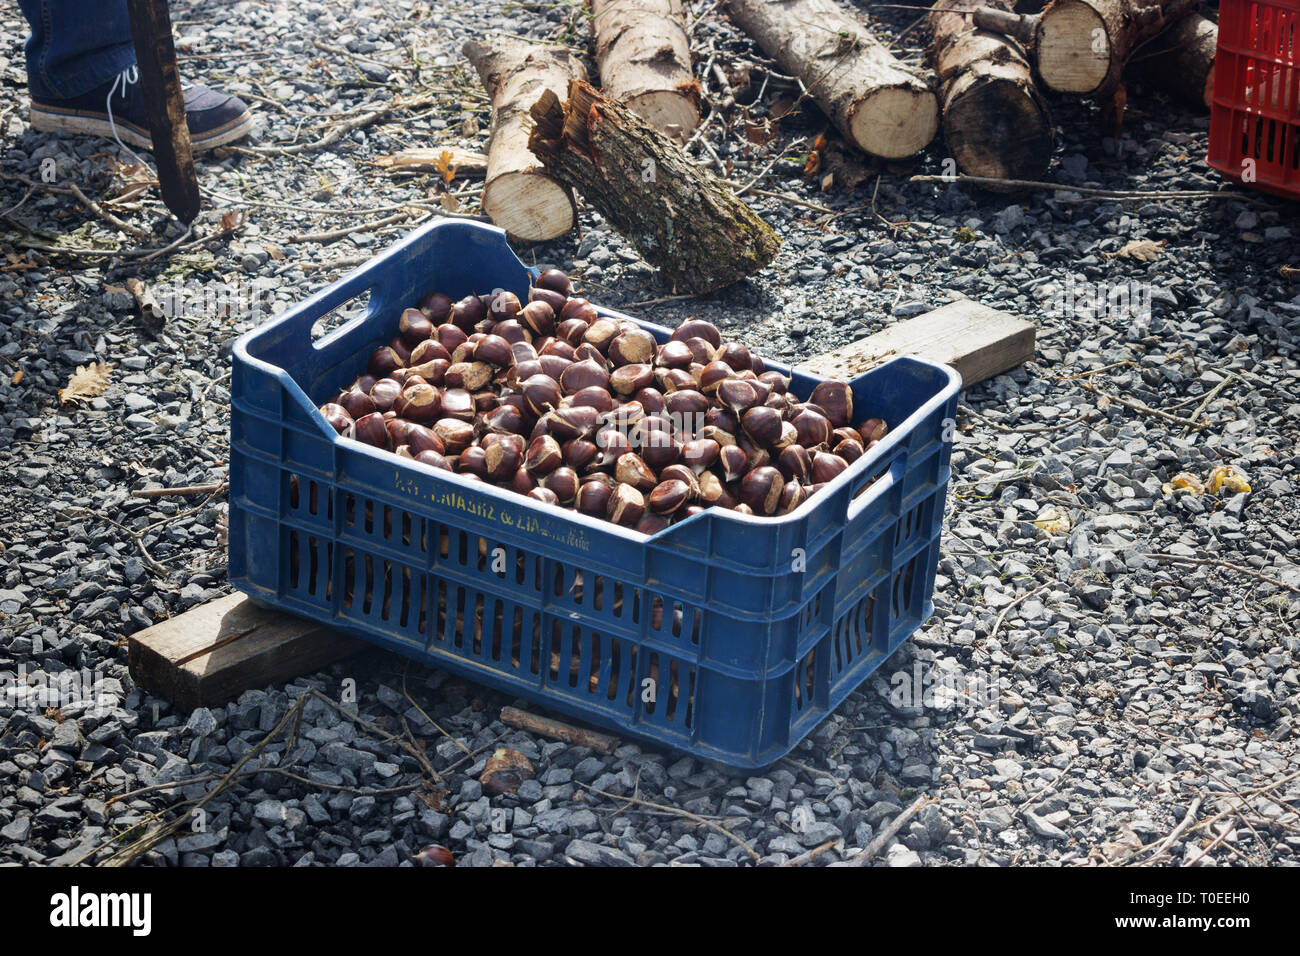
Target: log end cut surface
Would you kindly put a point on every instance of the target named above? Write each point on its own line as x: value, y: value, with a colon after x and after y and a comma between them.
x: 895, y: 122
x: 673, y: 114
x: 529, y: 206
x: 1073, y: 48
x: 997, y: 128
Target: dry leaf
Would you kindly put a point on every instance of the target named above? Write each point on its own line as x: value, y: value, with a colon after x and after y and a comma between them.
x: 1185, y: 482
x: 1289, y: 272
x: 1144, y: 250
x: 1227, y: 479
x: 86, y: 382
x: 17, y: 377
x: 449, y: 202
x: 445, y: 165
x: 232, y: 219
x: 1052, y: 521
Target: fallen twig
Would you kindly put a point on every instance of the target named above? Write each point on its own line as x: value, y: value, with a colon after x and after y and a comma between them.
x: 181, y: 490
x: 548, y: 727
x: 1226, y: 565
x: 1145, y: 409
x: 882, y: 838
x: 677, y: 812
x: 1124, y: 195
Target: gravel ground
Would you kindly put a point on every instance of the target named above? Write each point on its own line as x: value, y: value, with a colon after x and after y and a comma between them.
x: 1089, y: 694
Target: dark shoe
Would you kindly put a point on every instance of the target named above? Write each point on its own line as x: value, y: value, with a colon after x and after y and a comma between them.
x: 214, y: 118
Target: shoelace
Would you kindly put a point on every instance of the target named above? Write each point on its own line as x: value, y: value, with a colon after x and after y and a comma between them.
x: 124, y: 79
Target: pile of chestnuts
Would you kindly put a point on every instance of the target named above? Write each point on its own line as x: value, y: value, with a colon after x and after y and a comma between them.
x: 551, y: 399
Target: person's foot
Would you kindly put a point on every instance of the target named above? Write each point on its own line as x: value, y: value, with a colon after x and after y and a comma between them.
x: 214, y: 118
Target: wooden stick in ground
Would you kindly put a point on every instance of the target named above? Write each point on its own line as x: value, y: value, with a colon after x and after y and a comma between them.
x: 645, y: 62
x: 160, y: 86
x: 558, y: 730
x: 995, y: 122
x: 880, y: 104
x: 518, y: 195
x: 679, y: 216
x: 1181, y: 60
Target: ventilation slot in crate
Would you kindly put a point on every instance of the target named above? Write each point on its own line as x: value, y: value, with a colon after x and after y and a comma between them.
x: 851, y: 638
x: 905, y: 602
x: 805, y: 680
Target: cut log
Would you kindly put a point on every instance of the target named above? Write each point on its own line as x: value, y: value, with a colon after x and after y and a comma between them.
x: 879, y: 103
x: 979, y: 342
x: 518, y: 196
x: 995, y: 122
x: 678, y: 215
x: 1181, y: 60
x: 1082, y: 46
x: 216, y: 651
x: 645, y: 62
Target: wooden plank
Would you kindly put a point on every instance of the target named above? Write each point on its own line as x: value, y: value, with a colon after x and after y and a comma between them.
x: 979, y: 342
x: 160, y: 85
x: 213, y: 653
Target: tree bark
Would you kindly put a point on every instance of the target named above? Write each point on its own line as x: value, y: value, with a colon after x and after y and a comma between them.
x: 1082, y: 46
x: 880, y: 104
x: 995, y: 122
x: 645, y: 62
x: 518, y: 195
x: 1181, y: 60
x: 677, y: 215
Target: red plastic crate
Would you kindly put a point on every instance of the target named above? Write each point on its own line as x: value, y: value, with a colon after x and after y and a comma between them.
x: 1255, y: 112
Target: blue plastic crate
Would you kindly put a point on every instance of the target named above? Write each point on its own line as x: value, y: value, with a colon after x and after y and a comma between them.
x: 745, y: 654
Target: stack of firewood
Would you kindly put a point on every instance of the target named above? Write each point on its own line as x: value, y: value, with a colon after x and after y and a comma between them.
x: 987, y: 72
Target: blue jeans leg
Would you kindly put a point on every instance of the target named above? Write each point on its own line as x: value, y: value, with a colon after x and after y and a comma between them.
x: 75, y: 46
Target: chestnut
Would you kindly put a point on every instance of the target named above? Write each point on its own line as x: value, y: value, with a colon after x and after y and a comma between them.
x: 633, y: 346
x: 555, y: 280
x: 826, y: 466
x: 433, y: 458
x: 446, y: 337
x: 397, y: 432
x: 714, y: 492
x: 627, y: 379
x: 761, y: 490
x: 385, y: 394
x: 675, y: 355
x: 600, y: 333
x: 523, y: 481
x: 501, y: 459
x: 575, y: 421
x: 383, y: 360
x: 553, y: 366
x: 544, y: 455
x: 544, y: 495
x: 873, y: 429
x: 700, y: 453
x: 505, y: 305
x: 473, y: 461
x: 458, y: 403
x: 668, y: 497
x: 792, y: 496
x: 414, y: 326
x: 812, y: 427
x: 419, y: 403
x: 595, y: 397
x: 372, y: 430
x: 563, y: 481
x: 736, y: 394
x: 471, y: 376
x: 735, y: 355
x: 836, y: 398
x: 579, y: 453
x: 734, y: 461
x: 683, y: 474
x: 456, y: 435
x: 762, y: 424
x: 794, y: 463
x: 631, y: 469
x: 467, y: 313
x: 593, y: 498
x: 850, y: 450
x: 338, y: 418
x: 583, y: 375
x: 651, y: 524
x: 504, y: 419
x: 436, y: 306
x: 579, y: 308
x: 538, y: 318
x: 776, y: 381
x: 698, y: 328
x: 421, y: 438
x: 541, y: 392
x: 626, y: 505
x: 357, y: 404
